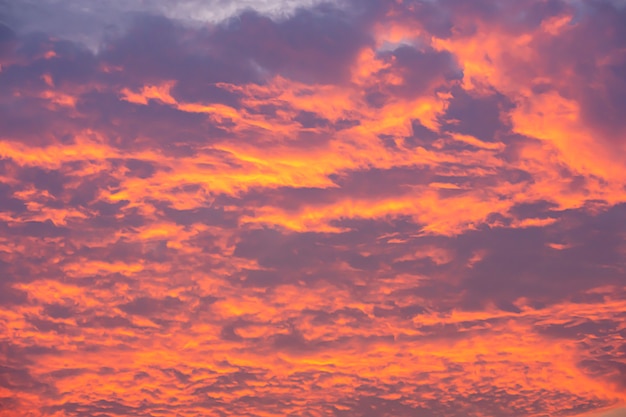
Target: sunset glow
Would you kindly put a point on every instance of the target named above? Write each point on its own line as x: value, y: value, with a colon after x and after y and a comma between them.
x: 363, y: 208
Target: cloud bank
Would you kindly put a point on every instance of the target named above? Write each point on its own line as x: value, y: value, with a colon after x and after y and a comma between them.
x: 379, y: 208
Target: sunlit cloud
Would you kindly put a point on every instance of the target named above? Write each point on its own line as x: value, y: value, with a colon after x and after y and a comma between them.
x: 381, y: 208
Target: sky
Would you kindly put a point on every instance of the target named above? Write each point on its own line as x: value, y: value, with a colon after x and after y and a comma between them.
x: 363, y: 208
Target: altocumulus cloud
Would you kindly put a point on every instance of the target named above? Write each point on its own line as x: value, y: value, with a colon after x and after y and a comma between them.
x: 366, y: 208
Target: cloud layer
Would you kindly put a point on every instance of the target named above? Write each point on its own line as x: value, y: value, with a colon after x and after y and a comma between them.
x: 381, y: 208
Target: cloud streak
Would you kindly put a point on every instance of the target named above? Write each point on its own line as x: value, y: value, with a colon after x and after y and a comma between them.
x: 372, y: 209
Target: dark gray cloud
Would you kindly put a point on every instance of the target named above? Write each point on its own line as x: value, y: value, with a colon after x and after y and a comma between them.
x: 315, y: 46
x: 87, y: 21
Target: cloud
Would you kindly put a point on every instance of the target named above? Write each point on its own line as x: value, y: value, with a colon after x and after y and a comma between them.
x: 618, y: 412
x: 88, y: 21
x: 301, y: 208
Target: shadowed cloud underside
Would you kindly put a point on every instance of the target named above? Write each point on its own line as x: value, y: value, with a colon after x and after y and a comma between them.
x: 373, y: 208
